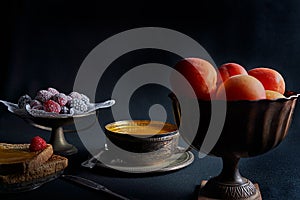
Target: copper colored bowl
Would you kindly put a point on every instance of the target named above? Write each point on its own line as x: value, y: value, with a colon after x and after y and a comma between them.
x: 251, y: 128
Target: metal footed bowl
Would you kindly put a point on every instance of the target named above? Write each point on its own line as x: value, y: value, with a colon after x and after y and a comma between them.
x: 251, y: 128
x: 124, y: 139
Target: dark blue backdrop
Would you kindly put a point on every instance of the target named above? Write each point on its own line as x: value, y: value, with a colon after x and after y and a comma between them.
x: 44, y: 43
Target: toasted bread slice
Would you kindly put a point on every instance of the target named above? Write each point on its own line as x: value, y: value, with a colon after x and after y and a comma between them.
x: 17, y: 158
x: 55, y: 164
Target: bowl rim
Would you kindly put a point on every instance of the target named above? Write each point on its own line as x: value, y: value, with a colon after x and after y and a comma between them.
x: 124, y: 122
x: 290, y: 95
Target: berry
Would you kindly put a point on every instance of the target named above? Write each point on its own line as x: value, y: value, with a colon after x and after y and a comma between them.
x: 85, y: 99
x: 37, y: 144
x: 64, y: 110
x: 53, y: 90
x: 60, y: 98
x: 78, y: 105
x: 69, y: 98
x: 43, y: 95
x: 23, y: 100
x: 75, y: 95
x: 35, y: 104
x: 52, y: 106
x: 38, y: 107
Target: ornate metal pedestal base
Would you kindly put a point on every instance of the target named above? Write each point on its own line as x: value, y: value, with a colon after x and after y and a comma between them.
x: 59, y: 143
x: 211, y: 190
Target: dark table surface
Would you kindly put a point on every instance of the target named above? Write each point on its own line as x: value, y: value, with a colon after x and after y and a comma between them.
x: 276, y: 172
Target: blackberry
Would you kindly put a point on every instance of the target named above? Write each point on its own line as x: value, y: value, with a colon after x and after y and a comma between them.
x: 64, y: 110
x: 85, y: 99
x: 78, y: 105
x: 23, y: 100
x: 38, y: 107
x: 43, y: 95
x: 35, y: 104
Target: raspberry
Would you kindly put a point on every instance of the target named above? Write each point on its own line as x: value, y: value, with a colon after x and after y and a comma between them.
x: 53, y: 90
x: 43, y: 95
x: 60, y: 98
x: 69, y: 98
x: 35, y: 104
x: 78, y: 105
x: 23, y: 100
x: 85, y: 99
x: 52, y: 106
x: 64, y: 110
x: 37, y: 144
x: 75, y: 95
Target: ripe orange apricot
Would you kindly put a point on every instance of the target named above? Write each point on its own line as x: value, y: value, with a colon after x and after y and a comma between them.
x: 241, y: 87
x: 270, y: 94
x: 201, y: 75
x: 229, y: 69
x: 270, y: 78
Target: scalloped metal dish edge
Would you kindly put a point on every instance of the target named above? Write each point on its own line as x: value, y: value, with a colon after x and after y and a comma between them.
x: 26, y: 113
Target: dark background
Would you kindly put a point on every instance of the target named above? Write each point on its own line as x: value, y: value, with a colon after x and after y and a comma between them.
x: 43, y: 44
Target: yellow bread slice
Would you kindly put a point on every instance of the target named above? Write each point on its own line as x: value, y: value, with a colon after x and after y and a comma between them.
x: 55, y: 164
x: 18, y: 158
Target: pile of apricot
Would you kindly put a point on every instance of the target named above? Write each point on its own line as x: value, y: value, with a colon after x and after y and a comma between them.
x: 229, y: 81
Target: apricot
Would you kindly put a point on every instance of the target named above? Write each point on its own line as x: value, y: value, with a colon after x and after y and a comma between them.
x: 229, y: 69
x: 270, y: 78
x: 241, y: 87
x: 201, y: 75
x: 270, y: 94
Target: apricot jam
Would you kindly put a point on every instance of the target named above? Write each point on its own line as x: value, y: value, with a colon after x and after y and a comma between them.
x: 141, y: 127
x: 8, y: 156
